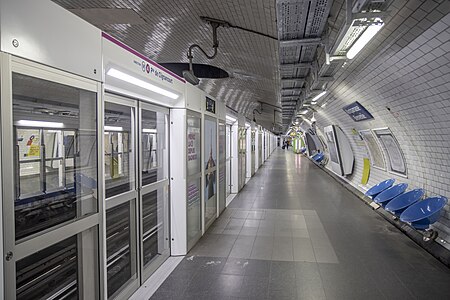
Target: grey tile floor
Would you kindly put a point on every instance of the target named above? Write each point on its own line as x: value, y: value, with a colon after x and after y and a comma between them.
x: 295, y: 233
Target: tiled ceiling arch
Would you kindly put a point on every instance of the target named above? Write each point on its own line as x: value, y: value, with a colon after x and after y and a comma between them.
x: 164, y: 30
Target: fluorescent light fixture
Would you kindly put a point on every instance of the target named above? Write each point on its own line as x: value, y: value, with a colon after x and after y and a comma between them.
x: 313, y: 103
x: 323, y: 105
x: 365, y: 37
x: 140, y: 83
x: 303, y: 112
x: 229, y: 118
x: 318, y: 96
x: 113, y: 128
x: 147, y: 130
x: 247, y: 125
x: 40, y: 124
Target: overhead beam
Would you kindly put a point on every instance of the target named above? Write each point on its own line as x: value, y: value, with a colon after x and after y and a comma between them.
x: 326, y: 78
x: 370, y: 15
x: 293, y: 79
x: 296, y: 65
x: 292, y: 89
x: 301, y: 42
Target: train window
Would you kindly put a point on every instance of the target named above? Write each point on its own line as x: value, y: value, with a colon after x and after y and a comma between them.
x: 153, y: 145
x: 119, y: 149
x: 154, y: 218
x: 49, y: 274
x: 55, y: 154
x: 119, y: 247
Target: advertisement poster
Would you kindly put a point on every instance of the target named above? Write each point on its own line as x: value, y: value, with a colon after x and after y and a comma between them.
x: 193, y: 144
x: 29, y: 142
x: 332, y: 147
x: 375, y: 153
x: 394, y: 153
x: 210, y: 159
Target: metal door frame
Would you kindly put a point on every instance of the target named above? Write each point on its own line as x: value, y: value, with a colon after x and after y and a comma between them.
x: 130, y: 197
x: 60, y: 232
x: 222, y: 165
x: 196, y: 176
x: 152, y: 266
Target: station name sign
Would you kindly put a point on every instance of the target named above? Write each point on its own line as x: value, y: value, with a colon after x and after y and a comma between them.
x: 357, y: 112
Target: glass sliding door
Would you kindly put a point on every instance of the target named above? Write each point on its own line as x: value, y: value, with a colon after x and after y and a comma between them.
x: 194, y: 176
x: 242, y: 156
x: 154, y: 187
x: 253, y: 149
x: 260, y: 147
x: 120, y: 126
x: 210, y: 167
x: 222, y: 166
x: 136, y: 189
x: 49, y: 182
x: 228, y: 160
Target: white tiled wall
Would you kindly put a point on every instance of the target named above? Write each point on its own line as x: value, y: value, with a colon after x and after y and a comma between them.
x: 411, y: 77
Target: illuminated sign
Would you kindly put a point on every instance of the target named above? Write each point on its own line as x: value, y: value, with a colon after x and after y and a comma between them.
x: 210, y: 105
x: 357, y: 112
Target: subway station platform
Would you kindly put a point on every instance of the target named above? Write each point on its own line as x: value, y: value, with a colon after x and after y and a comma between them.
x: 293, y: 232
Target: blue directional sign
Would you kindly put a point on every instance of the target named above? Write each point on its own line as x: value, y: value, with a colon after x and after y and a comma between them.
x: 357, y: 112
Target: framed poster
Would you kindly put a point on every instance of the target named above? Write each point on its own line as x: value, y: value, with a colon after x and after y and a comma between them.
x: 193, y: 126
x: 395, y: 159
x: 375, y: 153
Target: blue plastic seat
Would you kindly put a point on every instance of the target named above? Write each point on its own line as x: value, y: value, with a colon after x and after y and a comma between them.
x: 387, y: 195
x: 320, y: 157
x: 424, y: 213
x: 315, y: 156
x: 403, y: 201
x: 378, y: 188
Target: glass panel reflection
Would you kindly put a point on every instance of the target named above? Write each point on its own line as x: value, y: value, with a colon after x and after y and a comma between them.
x: 153, y: 126
x: 119, y: 149
x: 194, y: 220
x: 118, y: 241
x: 154, y: 217
x: 50, y: 273
x: 55, y: 154
x: 210, y: 196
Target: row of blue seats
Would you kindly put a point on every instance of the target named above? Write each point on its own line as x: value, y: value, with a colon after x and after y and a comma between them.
x: 407, y: 206
x: 318, y: 157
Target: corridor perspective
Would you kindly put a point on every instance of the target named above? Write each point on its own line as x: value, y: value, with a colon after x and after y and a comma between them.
x: 294, y: 232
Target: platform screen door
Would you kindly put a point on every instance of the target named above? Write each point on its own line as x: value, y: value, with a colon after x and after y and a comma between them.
x: 154, y: 187
x: 49, y: 182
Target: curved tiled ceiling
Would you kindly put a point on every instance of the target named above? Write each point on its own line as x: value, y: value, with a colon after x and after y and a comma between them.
x: 164, y: 30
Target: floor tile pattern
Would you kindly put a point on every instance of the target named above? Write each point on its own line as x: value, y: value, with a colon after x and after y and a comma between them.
x: 293, y: 232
